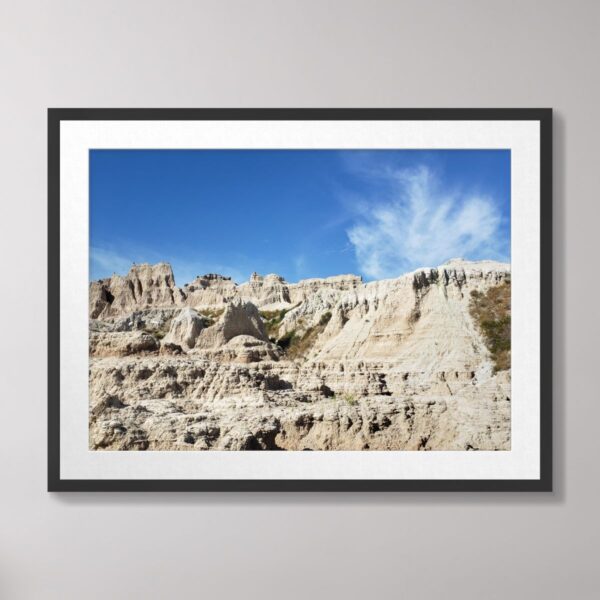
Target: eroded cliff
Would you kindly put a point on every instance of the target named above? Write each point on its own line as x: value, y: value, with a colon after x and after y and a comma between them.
x: 322, y: 364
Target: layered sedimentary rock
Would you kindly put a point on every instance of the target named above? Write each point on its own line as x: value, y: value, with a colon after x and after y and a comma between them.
x: 148, y: 286
x: 121, y: 344
x: 269, y: 291
x: 210, y: 290
x: 321, y: 364
x: 190, y: 329
x: 185, y: 329
x: 143, y: 287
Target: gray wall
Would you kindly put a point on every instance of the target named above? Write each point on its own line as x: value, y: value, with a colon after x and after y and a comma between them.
x: 280, y: 53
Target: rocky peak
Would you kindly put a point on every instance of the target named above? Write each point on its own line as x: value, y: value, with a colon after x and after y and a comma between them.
x: 243, y: 318
x: 214, y: 277
x: 153, y: 286
x: 147, y: 275
x: 269, y: 291
x: 144, y: 285
x: 209, y: 280
x: 273, y: 278
x: 336, y: 281
x: 460, y: 271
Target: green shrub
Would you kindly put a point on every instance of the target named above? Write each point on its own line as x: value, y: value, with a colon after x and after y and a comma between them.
x: 158, y: 334
x: 295, y: 343
x: 491, y: 312
x: 211, y: 316
x: 350, y: 399
x: 272, y: 320
x: 325, y: 318
x: 299, y: 345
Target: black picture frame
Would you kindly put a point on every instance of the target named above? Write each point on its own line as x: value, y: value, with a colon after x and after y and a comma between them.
x: 58, y: 115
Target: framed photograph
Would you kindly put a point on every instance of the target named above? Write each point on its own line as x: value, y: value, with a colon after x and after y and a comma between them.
x: 300, y: 300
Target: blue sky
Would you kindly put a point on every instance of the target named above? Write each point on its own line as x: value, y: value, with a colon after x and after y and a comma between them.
x: 298, y: 213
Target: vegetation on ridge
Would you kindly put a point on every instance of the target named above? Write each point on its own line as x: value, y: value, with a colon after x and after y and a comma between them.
x: 491, y: 312
x: 272, y: 320
x: 351, y: 399
x: 297, y: 345
x: 210, y: 317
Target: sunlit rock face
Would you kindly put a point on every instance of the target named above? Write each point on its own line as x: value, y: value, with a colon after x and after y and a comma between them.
x: 322, y: 364
x: 144, y: 286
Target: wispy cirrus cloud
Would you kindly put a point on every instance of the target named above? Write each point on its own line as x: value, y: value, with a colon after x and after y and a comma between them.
x: 420, y: 224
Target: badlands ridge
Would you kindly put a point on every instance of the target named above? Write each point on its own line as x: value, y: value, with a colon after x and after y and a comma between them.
x: 322, y: 364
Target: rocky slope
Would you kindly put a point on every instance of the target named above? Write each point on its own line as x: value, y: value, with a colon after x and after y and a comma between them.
x: 322, y: 364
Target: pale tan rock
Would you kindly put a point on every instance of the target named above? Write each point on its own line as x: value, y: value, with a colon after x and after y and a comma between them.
x: 153, y: 286
x: 186, y: 404
x: 304, y: 289
x: 238, y: 318
x: 244, y: 349
x: 100, y: 298
x: 121, y: 343
x: 185, y: 329
x: 269, y: 292
x: 209, y: 291
x: 156, y: 319
x: 145, y: 286
x: 394, y: 364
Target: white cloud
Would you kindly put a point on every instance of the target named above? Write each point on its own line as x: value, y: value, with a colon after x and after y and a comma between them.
x: 419, y: 225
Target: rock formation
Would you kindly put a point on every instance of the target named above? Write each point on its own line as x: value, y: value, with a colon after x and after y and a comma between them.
x: 185, y: 329
x: 144, y: 286
x: 322, y: 364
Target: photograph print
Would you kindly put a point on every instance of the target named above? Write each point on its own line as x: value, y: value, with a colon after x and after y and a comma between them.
x: 299, y: 300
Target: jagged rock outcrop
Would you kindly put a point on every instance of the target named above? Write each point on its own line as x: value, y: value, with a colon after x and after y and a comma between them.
x: 270, y: 291
x: 100, y: 298
x: 242, y: 318
x: 190, y: 331
x: 153, y: 286
x: 185, y: 329
x: 155, y: 319
x: 391, y: 364
x: 238, y: 318
x: 304, y: 289
x: 143, y: 287
x: 121, y: 343
x: 185, y: 404
x: 209, y: 291
x: 246, y: 349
